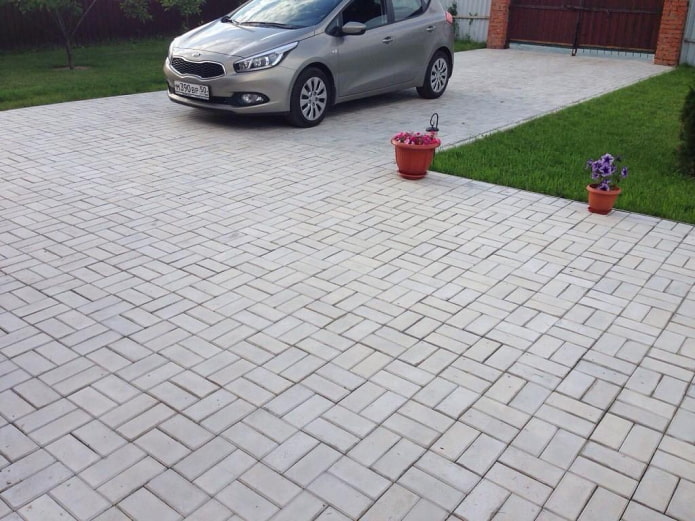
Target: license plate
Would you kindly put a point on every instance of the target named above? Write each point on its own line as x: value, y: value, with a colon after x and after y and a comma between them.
x: 192, y: 90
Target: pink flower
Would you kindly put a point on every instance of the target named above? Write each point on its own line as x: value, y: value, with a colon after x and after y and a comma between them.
x: 416, y: 138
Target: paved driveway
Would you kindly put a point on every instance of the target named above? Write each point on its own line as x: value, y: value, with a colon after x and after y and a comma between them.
x: 212, y: 319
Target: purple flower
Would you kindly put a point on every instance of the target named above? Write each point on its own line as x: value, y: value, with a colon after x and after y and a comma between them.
x: 604, y: 171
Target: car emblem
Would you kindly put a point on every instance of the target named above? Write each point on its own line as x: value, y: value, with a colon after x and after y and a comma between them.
x: 196, y: 54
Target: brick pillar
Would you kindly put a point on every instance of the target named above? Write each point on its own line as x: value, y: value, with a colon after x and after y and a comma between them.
x: 499, y: 24
x: 670, y: 40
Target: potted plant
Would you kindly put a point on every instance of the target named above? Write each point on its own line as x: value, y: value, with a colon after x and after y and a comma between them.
x: 414, y: 153
x: 604, y: 190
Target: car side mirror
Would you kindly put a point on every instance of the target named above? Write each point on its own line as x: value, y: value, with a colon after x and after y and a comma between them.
x: 353, y: 28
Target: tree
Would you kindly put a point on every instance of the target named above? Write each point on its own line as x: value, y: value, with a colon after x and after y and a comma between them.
x: 69, y: 14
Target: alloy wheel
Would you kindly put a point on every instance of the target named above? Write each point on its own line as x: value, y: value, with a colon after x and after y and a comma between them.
x: 439, y: 74
x: 313, y: 99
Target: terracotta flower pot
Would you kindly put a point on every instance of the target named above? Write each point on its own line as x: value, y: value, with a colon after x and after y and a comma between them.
x: 601, y: 201
x: 413, y: 160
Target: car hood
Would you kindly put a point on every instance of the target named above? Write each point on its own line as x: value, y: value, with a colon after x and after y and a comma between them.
x: 238, y: 40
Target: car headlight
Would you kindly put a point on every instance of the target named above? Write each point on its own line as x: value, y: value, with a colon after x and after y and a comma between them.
x: 265, y: 60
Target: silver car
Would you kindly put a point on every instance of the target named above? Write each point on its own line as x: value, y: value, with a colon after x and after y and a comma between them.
x: 299, y: 57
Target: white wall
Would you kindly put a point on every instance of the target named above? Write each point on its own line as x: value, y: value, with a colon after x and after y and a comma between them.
x: 688, y: 49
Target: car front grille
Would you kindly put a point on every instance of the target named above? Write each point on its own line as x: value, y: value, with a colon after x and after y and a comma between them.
x: 200, y: 69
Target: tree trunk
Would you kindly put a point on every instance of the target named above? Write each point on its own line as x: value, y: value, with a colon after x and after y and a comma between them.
x: 68, y: 51
x: 67, y: 36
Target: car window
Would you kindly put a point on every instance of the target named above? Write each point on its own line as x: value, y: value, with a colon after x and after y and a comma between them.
x: 403, y: 9
x: 297, y: 13
x: 371, y: 13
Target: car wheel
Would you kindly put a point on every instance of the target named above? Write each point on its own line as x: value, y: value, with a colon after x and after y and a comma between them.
x: 436, y: 77
x: 310, y: 98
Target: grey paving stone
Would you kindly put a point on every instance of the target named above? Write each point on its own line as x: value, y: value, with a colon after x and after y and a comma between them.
x: 313, y: 464
x: 211, y: 333
x: 14, y: 444
x: 656, y: 489
x: 519, y: 483
x: 570, y: 496
x: 637, y: 512
x: 223, y: 473
x: 683, y: 426
x: 483, y: 502
x: 426, y: 485
x: 604, y: 476
x: 144, y: 505
x: 73, y: 453
x: 270, y: 484
x: 340, y: 495
x: 425, y: 511
x: 359, y: 477
x: 603, y: 505
x: 213, y: 510
x: 447, y: 471
x: 130, y: 480
x: 518, y: 509
x: 78, y: 498
x: 304, y: 507
x: 35, y: 485
x: 44, y: 508
x: 481, y: 454
x: 682, y: 504
x: 398, y: 458
x: 396, y: 503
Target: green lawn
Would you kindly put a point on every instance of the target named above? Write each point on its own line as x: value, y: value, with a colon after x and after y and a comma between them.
x: 468, y: 45
x: 547, y: 155
x: 40, y: 77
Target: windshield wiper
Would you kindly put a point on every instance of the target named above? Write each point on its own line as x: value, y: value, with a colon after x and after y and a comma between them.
x: 228, y: 19
x: 270, y: 24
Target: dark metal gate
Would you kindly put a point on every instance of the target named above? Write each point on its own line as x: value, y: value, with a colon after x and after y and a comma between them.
x: 630, y: 25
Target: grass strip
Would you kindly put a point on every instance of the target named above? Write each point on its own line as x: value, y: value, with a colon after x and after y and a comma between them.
x: 547, y: 155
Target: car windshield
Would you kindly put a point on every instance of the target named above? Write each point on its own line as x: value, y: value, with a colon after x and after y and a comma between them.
x: 283, y: 13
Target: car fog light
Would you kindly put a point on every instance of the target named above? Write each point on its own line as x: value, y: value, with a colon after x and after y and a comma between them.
x: 251, y: 98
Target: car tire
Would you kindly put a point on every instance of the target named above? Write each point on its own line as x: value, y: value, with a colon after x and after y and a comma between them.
x: 436, y: 77
x: 310, y: 98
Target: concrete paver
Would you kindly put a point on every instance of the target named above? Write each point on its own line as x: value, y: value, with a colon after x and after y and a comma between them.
x: 211, y: 318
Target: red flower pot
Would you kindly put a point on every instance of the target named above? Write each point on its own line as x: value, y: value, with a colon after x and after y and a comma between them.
x: 413, y: 160
x: 601, y: 201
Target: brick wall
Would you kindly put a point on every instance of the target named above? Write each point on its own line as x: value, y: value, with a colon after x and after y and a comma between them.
x: 668, y: 45
x: 498, y: 25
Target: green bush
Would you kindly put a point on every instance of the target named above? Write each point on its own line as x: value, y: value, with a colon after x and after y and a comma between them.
x: 686, y: 149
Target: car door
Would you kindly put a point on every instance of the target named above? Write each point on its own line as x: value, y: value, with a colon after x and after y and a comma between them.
x: 366, y: 62
x: 414, y: 37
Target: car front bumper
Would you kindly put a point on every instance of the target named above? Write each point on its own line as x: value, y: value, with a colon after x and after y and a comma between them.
x: 274, y: 83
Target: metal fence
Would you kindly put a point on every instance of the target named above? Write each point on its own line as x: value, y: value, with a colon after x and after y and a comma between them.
x: 688, y: 49
x: 104, y: 22
x: 472, y: 18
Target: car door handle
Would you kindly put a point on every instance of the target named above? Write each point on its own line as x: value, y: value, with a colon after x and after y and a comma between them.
x: 430, y: 28
x: 388, y: 39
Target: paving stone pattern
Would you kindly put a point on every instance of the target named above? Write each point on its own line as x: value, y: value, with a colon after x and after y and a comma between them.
x: 209, y: 318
